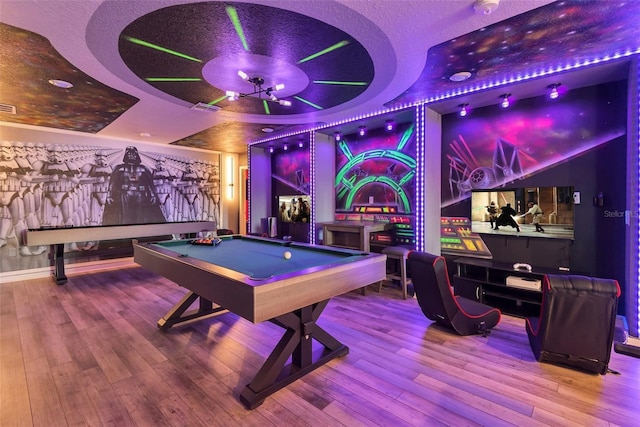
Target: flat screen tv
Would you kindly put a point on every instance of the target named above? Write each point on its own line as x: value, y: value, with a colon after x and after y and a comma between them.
x: 293, y: 208
x: 552, y: 218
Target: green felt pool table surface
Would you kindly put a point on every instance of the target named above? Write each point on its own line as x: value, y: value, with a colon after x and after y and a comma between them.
x: 259, y: 258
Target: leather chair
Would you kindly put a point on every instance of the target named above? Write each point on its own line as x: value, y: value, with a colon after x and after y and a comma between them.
x: 437, y: 301
x: 576, y: 323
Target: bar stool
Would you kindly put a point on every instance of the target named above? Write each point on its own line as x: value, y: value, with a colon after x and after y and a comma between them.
x: 398, y: 254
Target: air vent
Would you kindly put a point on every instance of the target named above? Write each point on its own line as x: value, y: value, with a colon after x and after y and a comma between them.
x: 202, y: 106
x: 8, y: 109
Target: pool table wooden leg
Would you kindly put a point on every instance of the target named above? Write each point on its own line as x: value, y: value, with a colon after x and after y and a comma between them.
x: 300, y: 331
x: 58, y: 263
x: 176, y: 314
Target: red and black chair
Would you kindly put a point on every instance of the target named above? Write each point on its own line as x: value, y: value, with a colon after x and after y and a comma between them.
x: 576, y: 323
x: 436, y: 299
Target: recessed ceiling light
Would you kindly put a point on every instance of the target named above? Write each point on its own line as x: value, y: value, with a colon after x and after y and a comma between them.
x: 460, y: 76
x: 61, y: 83
x: 267, y: 130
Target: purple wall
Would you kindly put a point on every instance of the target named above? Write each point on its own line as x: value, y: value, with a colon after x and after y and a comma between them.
x: 578, y: 140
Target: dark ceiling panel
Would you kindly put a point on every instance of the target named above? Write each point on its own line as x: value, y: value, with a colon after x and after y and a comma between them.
x: 534, y: 41
x: 205, y: 33
x: 28, y: 62
x: 233, y: 137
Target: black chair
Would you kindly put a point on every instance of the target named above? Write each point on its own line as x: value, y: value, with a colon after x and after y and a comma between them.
x: 437, y: 301
x: 576, y: 323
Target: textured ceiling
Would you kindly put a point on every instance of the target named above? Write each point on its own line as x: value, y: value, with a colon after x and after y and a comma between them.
x: 278, y: 47
x: 337, y: 59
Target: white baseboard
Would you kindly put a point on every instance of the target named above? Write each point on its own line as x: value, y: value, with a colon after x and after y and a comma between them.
x: 69, y: 269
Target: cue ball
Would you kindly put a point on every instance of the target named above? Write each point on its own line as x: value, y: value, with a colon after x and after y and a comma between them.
x: 287, y: 255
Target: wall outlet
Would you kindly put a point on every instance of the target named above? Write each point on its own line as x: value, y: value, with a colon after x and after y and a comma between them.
x: 576, y: 197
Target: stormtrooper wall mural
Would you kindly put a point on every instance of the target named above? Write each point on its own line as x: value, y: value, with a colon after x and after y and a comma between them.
x: 78, y: 186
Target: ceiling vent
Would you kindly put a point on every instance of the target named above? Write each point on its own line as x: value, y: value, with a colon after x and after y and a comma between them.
x: 202, y: 106
x: 8, y: 109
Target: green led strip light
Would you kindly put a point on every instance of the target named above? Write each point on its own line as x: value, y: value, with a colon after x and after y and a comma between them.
x: 308, y: 103
x: 161, y: 49
x: 266, y: 107
x: 333, y: 82
x: 324, y: 51
x: 233, y: 15
x: 215, y: 101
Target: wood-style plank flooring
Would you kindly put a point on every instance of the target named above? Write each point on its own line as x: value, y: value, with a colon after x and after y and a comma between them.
x: 89, y: 353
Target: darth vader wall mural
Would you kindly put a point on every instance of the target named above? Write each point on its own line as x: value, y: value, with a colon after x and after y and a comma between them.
x: 132, y: 196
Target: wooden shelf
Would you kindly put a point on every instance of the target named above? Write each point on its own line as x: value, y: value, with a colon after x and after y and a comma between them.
x: 350, y: 234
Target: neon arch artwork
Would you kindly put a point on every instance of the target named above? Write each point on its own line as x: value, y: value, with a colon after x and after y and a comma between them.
x: 352, y: 177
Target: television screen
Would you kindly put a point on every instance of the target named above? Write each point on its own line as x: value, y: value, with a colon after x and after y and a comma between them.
x: 294, y: 208
x: 531, y: 211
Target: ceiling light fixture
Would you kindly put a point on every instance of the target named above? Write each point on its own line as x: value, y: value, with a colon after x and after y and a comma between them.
x: 270, y: 150
x: 554, y: 90
x: 285, y: 147
x: 258, y: 90
x: 463, y: 110
x: 362, y: 130
x: 505, y: 100
x: 337, y: 136
x: 389, y: 125
x: 300, y: 143
x: 486, y: 7
x: 61, y: 84
x: 460, y: 76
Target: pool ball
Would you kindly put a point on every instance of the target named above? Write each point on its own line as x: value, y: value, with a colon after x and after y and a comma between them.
x: 287, y: 255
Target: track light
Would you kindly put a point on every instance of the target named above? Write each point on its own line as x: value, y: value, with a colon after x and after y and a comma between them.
x: 463, y: 110
x: 300, y: 143
x: 337, y: 136
x: 505, y: 100
x: 389, y: 125
x: 270, y: 150
x: 285, y: 147
x: 554, y: 90
x: 362, y: 130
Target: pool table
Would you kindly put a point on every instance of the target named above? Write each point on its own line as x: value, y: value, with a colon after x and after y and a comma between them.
x: 58, y: 236
x: 251, y: 277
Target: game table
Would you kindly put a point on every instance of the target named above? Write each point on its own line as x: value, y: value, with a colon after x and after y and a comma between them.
x: 251, y: 277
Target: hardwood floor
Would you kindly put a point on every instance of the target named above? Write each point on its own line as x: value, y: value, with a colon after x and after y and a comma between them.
x: 89, y: 353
